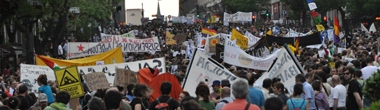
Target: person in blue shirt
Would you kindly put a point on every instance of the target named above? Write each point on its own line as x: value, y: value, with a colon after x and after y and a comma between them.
x: 308, y: 91
x: 296, y: 102
x: 255, y: 96
x: 45, y: 88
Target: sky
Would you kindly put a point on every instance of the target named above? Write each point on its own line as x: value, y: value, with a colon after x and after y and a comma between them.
x: 167, y: 7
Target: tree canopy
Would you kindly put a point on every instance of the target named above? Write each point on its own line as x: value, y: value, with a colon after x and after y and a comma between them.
x: 245, y: 5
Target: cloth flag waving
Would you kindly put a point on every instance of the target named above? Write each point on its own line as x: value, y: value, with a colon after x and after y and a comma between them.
x: 50, y: 63
x: 336, y: 30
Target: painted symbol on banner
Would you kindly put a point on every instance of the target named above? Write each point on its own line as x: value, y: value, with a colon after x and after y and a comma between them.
x: 68, y: 78
x: 80, y: 48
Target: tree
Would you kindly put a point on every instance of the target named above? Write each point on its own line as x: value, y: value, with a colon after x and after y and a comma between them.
x: 297, y: 6
x: 234, y: 6
x: 53, y: 15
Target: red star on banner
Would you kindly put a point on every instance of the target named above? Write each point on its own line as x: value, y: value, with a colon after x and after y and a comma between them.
x: 80, y: 48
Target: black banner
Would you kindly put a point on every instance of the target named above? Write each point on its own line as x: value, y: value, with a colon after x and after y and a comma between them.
x: 304, y: 40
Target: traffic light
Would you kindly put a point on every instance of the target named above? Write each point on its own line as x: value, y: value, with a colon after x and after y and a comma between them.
x: 325, y: 18
x: 267, y: 14
x: 197, y: 14
x: 377, y: 18
x: 253, y: 17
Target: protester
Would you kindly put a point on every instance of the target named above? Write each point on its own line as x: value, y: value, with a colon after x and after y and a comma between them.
x: 21, y: 91
x: 113, y: 100
x: 45, y: 88
x: 273, y: 103
x: 255, y: 96
x: 240, y: 91
x: 165, y: 101
x: 225, y: 98
x: 203, y: 94
x: 297, y: 102
x: 183, y: 95
x: 96, y: 104
x: 61, y: 100
x: 190, y: 103
x: 308, y: 91
x: 354, y: 93
x: 141, y: 94
x: 337, y: 99
x: 279, y: 90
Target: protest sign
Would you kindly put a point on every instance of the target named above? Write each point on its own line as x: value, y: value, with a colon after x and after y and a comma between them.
x: 110, y: 57
x: 68, y: 80
x: 252, y: 40
x: 236, y: 56
x: 170, y: 38
x: 204, y: 69
x: 286, y: 67
x: 110, y: 42
x: 30, y: 73
x: 96, y: 80
x: 120, y: 77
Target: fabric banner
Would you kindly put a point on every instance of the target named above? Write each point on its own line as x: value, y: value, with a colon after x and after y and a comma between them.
x: 30, y: 73
x: 130, y: 34
x: 237, y: 17
x: 286, y: 67
x: 304, y: 41
x: 235, y: 56
x: 204, y: 69
x: 110, y: 57
x: 83, y: 49
x: 293, y: 33
x: 252, y: 40
x: 260, y: 49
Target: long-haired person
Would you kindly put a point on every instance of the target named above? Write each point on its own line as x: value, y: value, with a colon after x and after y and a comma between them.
x: 296, y: 102
x: 141, y: 94
x: 203, y: 95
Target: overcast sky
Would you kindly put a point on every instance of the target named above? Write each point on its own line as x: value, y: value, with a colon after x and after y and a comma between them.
x: 168, y: 7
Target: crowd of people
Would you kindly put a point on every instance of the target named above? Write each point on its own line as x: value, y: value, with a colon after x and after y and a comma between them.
x: 335, y: 84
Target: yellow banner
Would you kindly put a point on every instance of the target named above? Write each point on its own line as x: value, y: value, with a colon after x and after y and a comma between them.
x: 109, y: 57
x: 169, y: 39
x: 241, y: 40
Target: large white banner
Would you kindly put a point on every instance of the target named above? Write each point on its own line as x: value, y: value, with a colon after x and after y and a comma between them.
x: 109, y: 42
x: 204, y: 69
x: 30, y: 73
x: 235, y: 56
x: 237, y: 17
x: 285, y: 67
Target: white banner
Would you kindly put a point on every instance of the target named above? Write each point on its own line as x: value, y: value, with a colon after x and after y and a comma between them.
x: 130, y: 34
x: 30, y: 73
x: 237, y: 17
x: 235, y: 56
x: 203, y: 69
x: 285, y: 67
x: 190, y: 18
x: 109, y: 42
x: 252, y: 39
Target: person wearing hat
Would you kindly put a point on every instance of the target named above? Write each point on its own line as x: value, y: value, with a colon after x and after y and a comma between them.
x: 41, y: 102
x: 215, y: 95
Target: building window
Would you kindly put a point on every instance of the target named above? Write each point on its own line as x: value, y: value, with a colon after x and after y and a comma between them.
x: 133, y: 14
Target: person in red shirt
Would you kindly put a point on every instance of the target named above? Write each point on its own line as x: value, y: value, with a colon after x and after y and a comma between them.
x: 240, y: 91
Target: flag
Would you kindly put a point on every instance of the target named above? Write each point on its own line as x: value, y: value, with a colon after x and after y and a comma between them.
x: 50, y: 63
x: 336, y: 30
x: 297, y: 44
x: 210, y: 32
x: 241, y: 40
x: 269, y: 32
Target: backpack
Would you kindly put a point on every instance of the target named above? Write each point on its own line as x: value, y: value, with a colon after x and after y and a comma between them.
x: 162, y: 106
x: 225, y: 101
x: 299, y: 108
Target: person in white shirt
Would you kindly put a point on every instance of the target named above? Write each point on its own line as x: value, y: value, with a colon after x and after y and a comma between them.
x: 267, y: 84
x: 337, y: 98
x: 60, y: 51
x: 369, y: 69
x: 65, y: 47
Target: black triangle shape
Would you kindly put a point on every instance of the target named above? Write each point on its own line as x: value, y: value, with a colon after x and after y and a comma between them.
x: 66, y: 80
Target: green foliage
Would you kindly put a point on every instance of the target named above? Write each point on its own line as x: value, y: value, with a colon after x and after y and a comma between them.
x: 245, y: 5
x: 296, y: 6
x: 374, y: 106
x: 372, y: 87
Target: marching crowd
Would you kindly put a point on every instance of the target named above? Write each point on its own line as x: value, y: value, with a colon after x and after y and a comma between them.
x: 324, y: 86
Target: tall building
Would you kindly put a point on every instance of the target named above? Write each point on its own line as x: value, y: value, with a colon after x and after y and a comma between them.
x: 133, y: 16
x: 187, y: 7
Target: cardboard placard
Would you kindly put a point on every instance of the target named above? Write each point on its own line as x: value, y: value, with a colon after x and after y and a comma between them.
x: 120, y: 77
x: 124, y: 77
x: 96, y: 80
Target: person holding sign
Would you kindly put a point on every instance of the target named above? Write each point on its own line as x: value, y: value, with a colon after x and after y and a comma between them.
x: 45, y: 88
